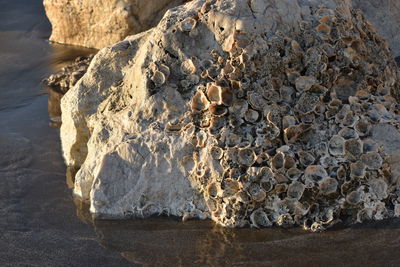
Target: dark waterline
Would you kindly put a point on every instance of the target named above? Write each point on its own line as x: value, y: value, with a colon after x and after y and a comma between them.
x: 40, y: 224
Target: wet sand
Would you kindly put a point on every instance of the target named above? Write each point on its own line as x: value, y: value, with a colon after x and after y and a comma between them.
x: 41, y: 225
x: 38, y: 222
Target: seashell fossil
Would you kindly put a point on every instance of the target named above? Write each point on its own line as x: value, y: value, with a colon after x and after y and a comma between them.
x: 306, y: 158
x: 158, y: 78
x: 353, y: 148
x: 372, y: 160
x: 246, y: 156
x: 348, y: 133
x: 362, y: 127
x: 315, y: 173
x: 379, y: 188
x: 328, y: 186
x: 218, y: 110
x: 259, y: 219
x: 257, y: 193
x: 285, y: 220
x: 187, y: 24
x: 230, y: 187
x: 199, y: 102
x: 336, y: 145
x: 295, y: 190
x: 354, y: 197
x: 357, y: 170
x: 304, y: 83
x: 188, y: 67
x: 213, y: 189
x: 277, y: 162
x: 251, y: 116
x: 266, y: 174
x: 216, y: 152
x: 294, y: 174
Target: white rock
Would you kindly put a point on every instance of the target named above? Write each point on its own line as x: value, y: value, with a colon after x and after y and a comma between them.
x: 115, y: 118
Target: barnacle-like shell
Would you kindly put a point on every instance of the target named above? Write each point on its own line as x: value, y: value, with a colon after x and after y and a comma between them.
x: 357, y: 170
x: 323, y: 29
x: 246, y: 156
x: 230, y: 187
x: 295, y: 190
x: 259, y: 219
x: 379, y: 188
x: 348, y: 133
x: 266, y: 174
x: 256, y: 192
x: 293, y: 133
x: 158, y: 78
x: 286, y: 93
x: 239, y: 107
x: 281, y: 187
x: 304, y: 83
x: 372, y: 160
x: 307, y: 103
x: 306, y: 158
x: 251, y: 116
x: 294, y: 173
x: 328, y: 186
x: 187, y: 24
x: 315, y: 173
x: 216, y: 152
x: 213, y: 189
x: 200, y: 102
x: 353, y: 148
x: 288, y: 121
x: 336, y: 145
x: 285, y: 220
x: 188, y: 67
x: 218, y: 110
x: 256, y: 100
x: 164, y: 69
x: 277, y: 162
x: 362, y: 127
x: 354, y: 197
x: 173, y: 126
x: 214, y: 93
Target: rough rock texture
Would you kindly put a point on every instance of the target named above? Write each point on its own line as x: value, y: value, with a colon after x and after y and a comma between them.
x: 69, y: 75
x: 100, y: 23
x: 253, y: 113
x: 385, y: 16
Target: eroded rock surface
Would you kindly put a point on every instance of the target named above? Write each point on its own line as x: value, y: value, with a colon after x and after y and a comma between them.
x: 385, y: 16
x: 253, y: 113
x: 97, y: 24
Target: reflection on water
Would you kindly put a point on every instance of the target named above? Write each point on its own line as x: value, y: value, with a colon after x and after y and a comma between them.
x: 61, y: 56
x: 168, y: 242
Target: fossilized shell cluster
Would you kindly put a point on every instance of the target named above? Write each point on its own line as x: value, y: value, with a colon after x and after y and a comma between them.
x: 282, y: 123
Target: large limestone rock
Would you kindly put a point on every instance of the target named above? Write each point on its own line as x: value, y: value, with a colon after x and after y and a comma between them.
x: 262, y: 112
x: 98, y: 23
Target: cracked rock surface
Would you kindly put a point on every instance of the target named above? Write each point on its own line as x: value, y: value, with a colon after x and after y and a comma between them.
x: 251, y: 113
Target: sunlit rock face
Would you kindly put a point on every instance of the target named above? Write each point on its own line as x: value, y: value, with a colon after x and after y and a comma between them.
x: 98, y: 23
x: 251, y: 113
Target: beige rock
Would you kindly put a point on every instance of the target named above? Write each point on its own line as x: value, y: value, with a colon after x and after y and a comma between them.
x: 143, y: 149
x: 98, y: 23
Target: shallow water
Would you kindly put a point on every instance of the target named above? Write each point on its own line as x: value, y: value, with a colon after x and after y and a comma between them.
x: 40, y: 223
